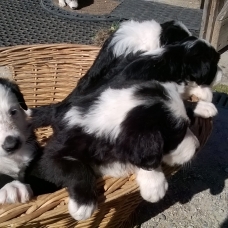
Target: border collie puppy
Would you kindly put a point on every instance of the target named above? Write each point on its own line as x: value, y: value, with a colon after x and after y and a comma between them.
x: 132, y: 37
x: 191, y: 60
x: 73, y: 4
x: 192, y: 65
x: 18, y: 144
x: 126, y: 128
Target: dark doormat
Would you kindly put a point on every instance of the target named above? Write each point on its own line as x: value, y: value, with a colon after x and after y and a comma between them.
x: 128, y: 9
x: 98, y: 10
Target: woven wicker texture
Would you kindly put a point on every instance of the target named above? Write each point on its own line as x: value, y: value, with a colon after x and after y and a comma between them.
x: 46, y: 74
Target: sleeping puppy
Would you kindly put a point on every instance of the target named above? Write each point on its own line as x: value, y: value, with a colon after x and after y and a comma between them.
x: 127, y: 128
x: 18, y: 144
x: 170, y: 45
x: 192, y: 64
x: 131, y: 38
x: 73, y: 4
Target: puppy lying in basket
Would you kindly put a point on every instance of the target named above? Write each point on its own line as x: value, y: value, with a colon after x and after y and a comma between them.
x: 111, y: 127
x: 120, y: 130
x: 136, y: 47
x: 18, y: 144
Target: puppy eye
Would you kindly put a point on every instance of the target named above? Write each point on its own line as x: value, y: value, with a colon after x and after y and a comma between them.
x: 13, y: 112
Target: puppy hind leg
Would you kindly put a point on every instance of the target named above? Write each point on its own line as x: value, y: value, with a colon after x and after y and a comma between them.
x: 67, y: 171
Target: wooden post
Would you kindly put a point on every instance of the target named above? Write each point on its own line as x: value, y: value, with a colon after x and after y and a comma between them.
x: 220, y: 32
x: 210, y: 14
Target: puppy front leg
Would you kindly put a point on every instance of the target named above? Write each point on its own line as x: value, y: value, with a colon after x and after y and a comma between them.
x: 67, y: 171
x: 152, y: 184
x: 62, y: 3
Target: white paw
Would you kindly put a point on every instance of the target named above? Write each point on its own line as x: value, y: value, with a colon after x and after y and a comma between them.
x: 153, y: 185
x: 73, y: 4
x: 62, y: 3
x: 80, y: 212
x: 14, y: 192
x: 205, y: 109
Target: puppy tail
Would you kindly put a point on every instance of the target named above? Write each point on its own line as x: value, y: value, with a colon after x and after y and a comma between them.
x: 42, y: 116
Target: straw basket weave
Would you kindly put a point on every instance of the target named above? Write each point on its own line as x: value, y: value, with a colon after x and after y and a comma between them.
x: 46, y: 74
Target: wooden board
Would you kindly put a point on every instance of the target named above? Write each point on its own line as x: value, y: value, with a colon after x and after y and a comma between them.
x: 214, y: 23
x: 220, y: 33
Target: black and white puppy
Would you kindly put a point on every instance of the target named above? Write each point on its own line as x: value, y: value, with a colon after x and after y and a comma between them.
x: 18, y: 144
x: 130, y: 39
x: 192, y: 64
x: 167, y: 50
x: 127, y: 128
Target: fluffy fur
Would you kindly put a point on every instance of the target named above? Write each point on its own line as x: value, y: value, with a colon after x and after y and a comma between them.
x: 123, y: 118
x: 73, y: 4
x: 17, y: 144
x: 111, y: 59
x: 139, y: 125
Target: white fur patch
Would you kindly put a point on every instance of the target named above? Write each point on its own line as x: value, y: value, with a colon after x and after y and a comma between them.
x: 184, y: 152
x: 205, y: 109
x: 73, y: 117
x: 116, y: 169
x: 152, y: 184
x: 14, y: 192
x: 133, y: 36
x: 175, y: 103
x: 80, y: 212
x: 106, y: 115
x: 73, y: 4
x: 62, y: 3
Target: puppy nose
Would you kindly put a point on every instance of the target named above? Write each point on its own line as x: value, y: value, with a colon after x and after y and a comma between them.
x: 11, y: 143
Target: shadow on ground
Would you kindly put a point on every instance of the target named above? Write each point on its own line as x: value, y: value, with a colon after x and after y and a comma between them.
x: 224, y: 224
x: 207, y: 171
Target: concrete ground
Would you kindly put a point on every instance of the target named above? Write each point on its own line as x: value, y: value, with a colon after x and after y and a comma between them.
x: 198, y: 194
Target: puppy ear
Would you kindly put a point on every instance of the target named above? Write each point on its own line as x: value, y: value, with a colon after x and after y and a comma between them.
x: 141, y: 139
x: 16, y: 90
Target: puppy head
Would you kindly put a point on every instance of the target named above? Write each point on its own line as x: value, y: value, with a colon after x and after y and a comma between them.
x: 13, y: 121
x: 200, y: 63
x: 173, y: 32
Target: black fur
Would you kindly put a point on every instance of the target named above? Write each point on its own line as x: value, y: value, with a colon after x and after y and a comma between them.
x: 16, y: 90
x: 191, y: 60
x: 147, y: 133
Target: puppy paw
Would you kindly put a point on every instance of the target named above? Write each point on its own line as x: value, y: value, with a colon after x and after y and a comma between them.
x: 81, y: 211
x: 153, y: 185
x: 15, y: 192
x: 203, y: 93
x: 62, y: 3
x: 205, y: 109
x: 73, y: 5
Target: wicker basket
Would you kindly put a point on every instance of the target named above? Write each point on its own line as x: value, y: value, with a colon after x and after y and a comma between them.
x: 46, y: 74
